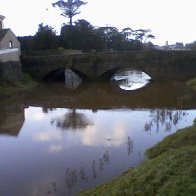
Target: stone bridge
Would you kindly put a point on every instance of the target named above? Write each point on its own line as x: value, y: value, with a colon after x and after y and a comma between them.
x: 94, y: 66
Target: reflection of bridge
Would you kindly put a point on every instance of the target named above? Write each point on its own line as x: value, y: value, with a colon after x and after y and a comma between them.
x: 99, y: 96
x: 95, y: 96
x: 157, y: 64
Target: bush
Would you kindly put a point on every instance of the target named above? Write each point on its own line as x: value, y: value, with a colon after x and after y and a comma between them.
x: 192, y: 83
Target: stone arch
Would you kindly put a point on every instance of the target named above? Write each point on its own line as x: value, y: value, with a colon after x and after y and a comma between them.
x: 58, y: 75
x: 107, y: 75
x: 82, y: 75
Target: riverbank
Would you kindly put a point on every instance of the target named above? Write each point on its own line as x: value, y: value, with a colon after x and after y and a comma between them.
x: 13, y: 88
x: 170, y: 170
x: 192, y: 83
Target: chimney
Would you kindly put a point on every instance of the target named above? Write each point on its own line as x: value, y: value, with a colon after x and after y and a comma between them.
x: 1, y: 21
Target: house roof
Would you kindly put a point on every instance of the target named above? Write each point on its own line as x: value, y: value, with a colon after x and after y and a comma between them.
x: 3, y: 33
x: 2, y: 17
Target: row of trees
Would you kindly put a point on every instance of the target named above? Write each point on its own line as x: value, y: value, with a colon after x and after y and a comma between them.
x: 81, y: 35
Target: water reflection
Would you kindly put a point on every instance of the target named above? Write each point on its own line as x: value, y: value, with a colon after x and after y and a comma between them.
x: 93, y: 147
x: 54, y: 189
x: 131, y: 79
x: 73, y: 175
x: 129, y: 145
x: 75, y: 160
x: 72, y: 119
x: 11, y: 119
x: 168, y: 94
x: 165, y: 118
x: 70, y: 177
x: 82, y: 174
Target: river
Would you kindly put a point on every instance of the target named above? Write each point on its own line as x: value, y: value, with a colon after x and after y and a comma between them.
x: 59, y: 141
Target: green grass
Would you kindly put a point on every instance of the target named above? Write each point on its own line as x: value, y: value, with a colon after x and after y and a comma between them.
x: 182, y: 138
x: 10, y: 88
x: 192, y: 83
x: 171, y: 170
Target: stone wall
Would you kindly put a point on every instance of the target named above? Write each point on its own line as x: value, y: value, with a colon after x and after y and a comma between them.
x: 10, y: 70
x: 10, y: 55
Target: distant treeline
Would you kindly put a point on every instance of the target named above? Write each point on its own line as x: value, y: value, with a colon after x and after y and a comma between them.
x: 85, y: 37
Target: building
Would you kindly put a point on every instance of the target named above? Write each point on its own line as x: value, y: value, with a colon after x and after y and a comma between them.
x: 177, y: 46
x: 9, y: 44
x: 10, y: 52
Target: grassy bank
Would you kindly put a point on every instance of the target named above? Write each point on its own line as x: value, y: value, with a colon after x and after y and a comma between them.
x: 192, y: 83
x: 10, y: 88
x: 170, y: 170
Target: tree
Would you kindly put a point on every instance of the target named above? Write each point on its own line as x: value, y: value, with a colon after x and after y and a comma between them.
x: 143, y: 35
x: 111, y: 37
x: 45, y: 38
x: 127, y: 34
x: 85, y: 35
x: 27, y: 43
x: 81, y: 36
x: 69, y: 8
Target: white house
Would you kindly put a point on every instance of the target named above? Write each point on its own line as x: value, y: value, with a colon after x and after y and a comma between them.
x: 9, y: 45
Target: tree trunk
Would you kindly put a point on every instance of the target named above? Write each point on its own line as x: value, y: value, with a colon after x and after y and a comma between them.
x: 70, y: 21
x: 70, y: 25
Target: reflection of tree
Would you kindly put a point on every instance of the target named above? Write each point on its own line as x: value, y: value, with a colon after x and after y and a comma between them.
x: 129, y: 145
x: 100, y: 164
x: 165, y: 118
x: 72, y: 120
x: 54, y: 186
x: 74, y: 174
x: 82, y: 173
x: 71, y: 177
x: 104, y: 159
x: 94, y: 169
x: 54, y: 189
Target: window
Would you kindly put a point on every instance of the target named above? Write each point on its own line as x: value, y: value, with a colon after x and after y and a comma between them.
x: 10, y: 44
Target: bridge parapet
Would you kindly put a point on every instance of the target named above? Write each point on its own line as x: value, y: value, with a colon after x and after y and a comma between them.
x: 155, y: 63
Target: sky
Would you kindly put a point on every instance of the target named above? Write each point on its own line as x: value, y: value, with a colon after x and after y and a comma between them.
x: 169, y: 20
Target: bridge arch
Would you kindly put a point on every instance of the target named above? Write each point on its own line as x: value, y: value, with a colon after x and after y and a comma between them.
x: 59, y: 75
x: 81, y: 74
x: 108, y: 74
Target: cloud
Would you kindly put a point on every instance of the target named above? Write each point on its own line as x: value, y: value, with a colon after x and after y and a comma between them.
x: 34, y: 114
x: 96, y: 136
x: 48, y: 136
x: 55, y: 148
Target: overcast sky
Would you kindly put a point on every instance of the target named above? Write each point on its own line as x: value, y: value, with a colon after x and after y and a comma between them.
x: 169, y: 20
